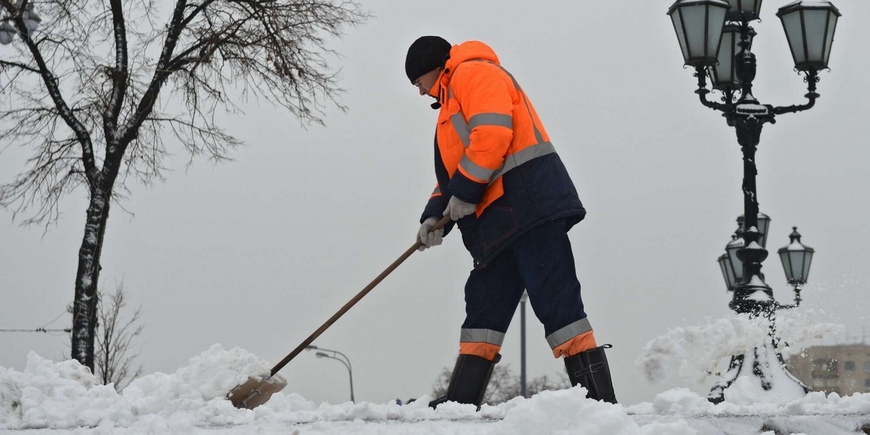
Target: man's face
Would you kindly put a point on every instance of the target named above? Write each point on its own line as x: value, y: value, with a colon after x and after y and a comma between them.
x: 425, y: 82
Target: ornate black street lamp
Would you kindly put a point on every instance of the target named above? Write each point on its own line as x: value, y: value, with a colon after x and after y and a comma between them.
x: 796, y: 260
x: 698, y: 24
x: 763, y: 227
x: 732, y: 267
x: 729, y: 273
x: 809, y: 28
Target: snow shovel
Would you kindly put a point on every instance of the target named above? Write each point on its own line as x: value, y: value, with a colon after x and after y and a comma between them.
x: 255, y: 391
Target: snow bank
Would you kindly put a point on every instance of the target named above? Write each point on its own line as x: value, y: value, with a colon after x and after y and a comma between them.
x: 65, y: 394
x: 65, y: 397
x: 693, y: 353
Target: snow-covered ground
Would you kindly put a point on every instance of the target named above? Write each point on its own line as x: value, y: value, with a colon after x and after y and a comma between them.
x: 64, y: 398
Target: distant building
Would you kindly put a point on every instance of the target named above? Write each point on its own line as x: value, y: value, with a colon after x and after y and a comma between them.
x: 841, y: 369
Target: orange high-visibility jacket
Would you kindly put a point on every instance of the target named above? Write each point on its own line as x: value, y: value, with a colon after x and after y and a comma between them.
x: 492, y: 150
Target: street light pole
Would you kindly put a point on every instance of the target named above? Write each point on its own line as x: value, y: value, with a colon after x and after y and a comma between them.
x: 523, y: 300
x: 796, y: 260
x: 334, y: 354
x: 701, y: 29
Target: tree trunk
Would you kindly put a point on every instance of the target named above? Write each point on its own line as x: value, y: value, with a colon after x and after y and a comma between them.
x: 88, y: 274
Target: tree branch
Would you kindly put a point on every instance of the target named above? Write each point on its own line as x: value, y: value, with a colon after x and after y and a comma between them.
x: 4, y: 63
x: 161, y: 73
x: 57, y: 98
x: 119, y: 73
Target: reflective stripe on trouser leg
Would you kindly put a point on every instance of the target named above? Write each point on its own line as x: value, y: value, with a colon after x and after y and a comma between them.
x: 484, y: 343
x: 572, y: 339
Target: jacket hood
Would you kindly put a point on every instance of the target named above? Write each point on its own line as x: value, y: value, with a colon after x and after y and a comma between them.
x: 469, y: 50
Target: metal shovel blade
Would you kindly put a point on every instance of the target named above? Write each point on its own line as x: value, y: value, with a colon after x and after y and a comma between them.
x: 255, y: 392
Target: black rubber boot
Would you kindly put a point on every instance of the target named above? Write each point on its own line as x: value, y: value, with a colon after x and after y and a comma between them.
x: 468, y: 381
x: 590, y: 369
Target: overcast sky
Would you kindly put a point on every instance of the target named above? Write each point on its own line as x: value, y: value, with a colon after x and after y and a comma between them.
x: 277, y: 241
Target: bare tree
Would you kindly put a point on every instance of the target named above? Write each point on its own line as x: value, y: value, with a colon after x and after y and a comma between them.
x: 503, y: 385
x: 102, y: 86
x: 114, y: 361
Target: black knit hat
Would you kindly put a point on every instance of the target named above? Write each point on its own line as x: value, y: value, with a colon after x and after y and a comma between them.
x: 426, y: 54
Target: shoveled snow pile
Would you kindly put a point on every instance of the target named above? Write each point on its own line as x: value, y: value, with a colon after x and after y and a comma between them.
x: 65, y: 397
x: 694, y: 353
x: 65, y: 394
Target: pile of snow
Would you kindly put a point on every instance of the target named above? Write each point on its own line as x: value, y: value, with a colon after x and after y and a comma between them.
x: 694, y: 353
x: 65, y: 398
x: 64, y: 395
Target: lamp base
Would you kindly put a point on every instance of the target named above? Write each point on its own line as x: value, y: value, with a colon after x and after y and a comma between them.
x: 758, y: 375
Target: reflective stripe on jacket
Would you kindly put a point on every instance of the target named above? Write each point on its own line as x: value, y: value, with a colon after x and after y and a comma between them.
x: 487, y: 131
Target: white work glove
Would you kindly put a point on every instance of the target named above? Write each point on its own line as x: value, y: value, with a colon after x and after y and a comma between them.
x: 427, y: 237
x: 458, y: 209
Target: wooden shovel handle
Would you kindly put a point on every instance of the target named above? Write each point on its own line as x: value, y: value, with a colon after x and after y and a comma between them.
x: 440, y: 224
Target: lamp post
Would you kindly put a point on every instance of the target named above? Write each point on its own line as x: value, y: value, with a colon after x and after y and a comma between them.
x: 724, y: 53
x: 796, y: 260
x: 334, y: 354
x: 523, y: 300
x: 18, y: 19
